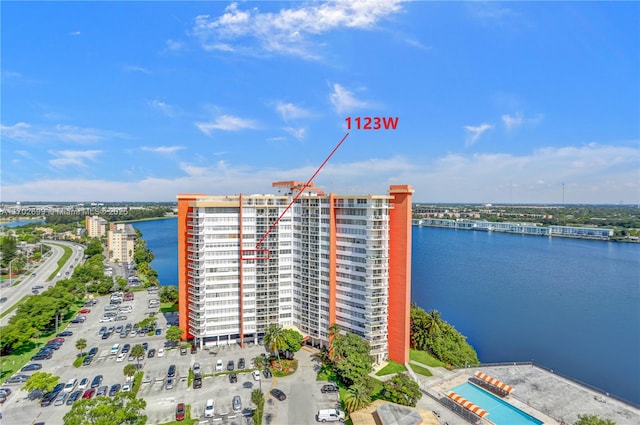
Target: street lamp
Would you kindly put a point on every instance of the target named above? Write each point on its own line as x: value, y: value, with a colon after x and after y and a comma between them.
x: 10, y: 271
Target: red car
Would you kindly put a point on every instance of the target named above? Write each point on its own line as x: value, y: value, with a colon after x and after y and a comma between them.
x: 85, y: 311
x: 60, y: 340
x: 180, y: 412
x: 89, y: 393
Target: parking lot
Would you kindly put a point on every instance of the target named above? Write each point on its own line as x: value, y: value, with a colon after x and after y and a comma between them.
x: 302, y: 390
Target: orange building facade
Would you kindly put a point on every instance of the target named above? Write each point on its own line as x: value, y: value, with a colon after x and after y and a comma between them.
x: 246, y: 261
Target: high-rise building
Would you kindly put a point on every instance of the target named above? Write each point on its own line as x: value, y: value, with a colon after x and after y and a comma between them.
x: 121, y: 242
x: 96, y: 226
x: 246, y: 261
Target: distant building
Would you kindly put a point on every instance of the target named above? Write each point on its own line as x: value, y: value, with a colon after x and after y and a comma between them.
x: 121, y: 242
x: 96, y: 226
x: 331, y: 259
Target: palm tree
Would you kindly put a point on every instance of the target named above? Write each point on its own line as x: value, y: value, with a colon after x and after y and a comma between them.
x: 333, y: 330
x: 137, y: 351
x: 274, y: 338
x: 129, y: 370
x: 258, y: 362
x: 81, y: 344
x: 357, y: 397
x: 433, y: 321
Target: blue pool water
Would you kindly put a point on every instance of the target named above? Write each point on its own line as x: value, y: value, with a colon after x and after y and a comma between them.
x: 500, y: 413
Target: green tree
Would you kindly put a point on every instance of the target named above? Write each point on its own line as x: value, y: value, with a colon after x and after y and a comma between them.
x: 129, y: 370
x: 123, y: 409
x: 93, y: 248
x: 137, y: 351
x: 351, y: 359
x: 17, y: 333
x: 274, y: 339
x: 293, y: 339
x: 257, y: 397
x: 169, y: 294
x: 358, y: 397
x: 8, y: 248
x: 81, y: 344
x: 258, y: 362
x: 174, y: 333
x: 401, y: 389
x: 43, y: 381
x: 593, y: 420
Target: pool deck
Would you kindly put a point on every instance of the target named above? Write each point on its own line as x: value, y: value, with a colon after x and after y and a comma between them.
x: 541, y: 393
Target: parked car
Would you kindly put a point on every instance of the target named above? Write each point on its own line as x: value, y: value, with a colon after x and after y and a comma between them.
x: 73, y: 397
x: 48, y: 398
x: 330, y: 415
x: 161, y: 352
x: 31, y: 367
x: 88, y: 394
x: 70, y: 385
x: 241, y: 363
x: 329, y: 388
x: 17, y: 379
x: 85, y: 311
x: 196, y: 368
x: 278, y: 394
x: 209, y: 408
x: 183, y: 350
x: 236, y: 403
x: 102, y: 391
x: 169, y: 384
x: 197, y: 381
x: 267, y: 373
x: 65, y: 333
x: 158, y: 331
x: 233, y: 378
x: 151, y: 353
x: 87, y: 361
x: 114, y: 390
x: 230, y: 366
x: 126, y: 388
x: 180, y: 412
x: 35, y: 394
x: 219, y: 366
x: 256, y: 375
x: 61, y: 398
x: 93, y: 351
x: 172, y: 371
x: 84, y: 383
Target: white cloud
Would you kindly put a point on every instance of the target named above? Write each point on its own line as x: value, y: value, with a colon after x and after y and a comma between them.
x: 75, y: 33
x: 173, y: 45
x: 474, y: 132
x: 73, y: 158
x: 135, y: 68
x: 163, y: 107
x: 512, y: 122
x: 163, y: 150
x: 592, y: 173
x: 226, y: 123
x: 344, y: 101
x: 289, y: 111
x: 288, y: 31
x: 298, y: 133
x: 19, y: 132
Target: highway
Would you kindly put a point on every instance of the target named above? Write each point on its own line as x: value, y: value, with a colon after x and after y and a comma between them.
x: 42, y: 272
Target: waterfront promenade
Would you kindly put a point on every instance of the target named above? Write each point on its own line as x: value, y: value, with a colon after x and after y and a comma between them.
x: 536, y: 390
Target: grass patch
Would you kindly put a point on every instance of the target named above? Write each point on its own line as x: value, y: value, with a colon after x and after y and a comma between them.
x: 78, y: 361
x: 62, y: 261
x: 391, y: 368
x: 420, y: 370
x: 326, y: 374
x: 168, y: 307
x: 425, y: 358
x: 13, y: 307
x: 137, y: 381
x: 190, y: 378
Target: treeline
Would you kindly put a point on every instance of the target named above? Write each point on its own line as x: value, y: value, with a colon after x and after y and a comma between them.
x: 142, y: 257
x: 37, y: 315
x: 430, y: 333
x: 110, y: 214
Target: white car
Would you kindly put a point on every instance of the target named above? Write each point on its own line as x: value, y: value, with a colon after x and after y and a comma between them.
x: 256, y: 375
x: 84, y: 383
x: 196, y: 368
x: 161, y: 352
x: 106, y: 319
x: 219, y: 366
x: 126, y: 388
x: 208, y: 409
x: 121, y: 357
x: 70, y: 385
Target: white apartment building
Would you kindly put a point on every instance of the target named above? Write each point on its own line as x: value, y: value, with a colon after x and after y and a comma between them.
x: 96, y: 226
x: 121, y: 242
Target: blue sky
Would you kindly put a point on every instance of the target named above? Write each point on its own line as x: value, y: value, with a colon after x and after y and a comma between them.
x: 496, y: 102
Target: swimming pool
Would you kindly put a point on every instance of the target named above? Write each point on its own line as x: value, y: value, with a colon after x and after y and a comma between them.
x: 500, y: 413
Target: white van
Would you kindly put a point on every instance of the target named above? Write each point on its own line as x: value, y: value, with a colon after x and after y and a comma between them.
x: 330, y: 415
x: 115, y: 349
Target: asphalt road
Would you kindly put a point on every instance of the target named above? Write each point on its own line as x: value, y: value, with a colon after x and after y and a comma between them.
x: 15, y: 293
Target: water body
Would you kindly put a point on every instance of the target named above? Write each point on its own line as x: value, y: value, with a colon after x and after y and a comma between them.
x: 162, y: 238
x: 568, y: 304
x: 20, y: 223
x: 571, y: 305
